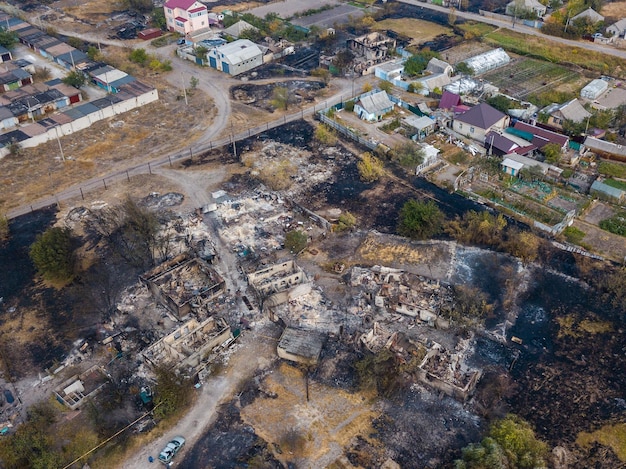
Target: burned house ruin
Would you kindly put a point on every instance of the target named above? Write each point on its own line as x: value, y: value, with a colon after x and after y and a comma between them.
x: 184, y: 283
x: 278, y: 283
x: 190, y: 345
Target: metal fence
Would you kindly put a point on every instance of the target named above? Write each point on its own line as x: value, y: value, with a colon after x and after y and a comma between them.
x: 345, y: 131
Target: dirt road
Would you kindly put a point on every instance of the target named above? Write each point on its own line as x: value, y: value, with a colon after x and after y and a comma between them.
x: 253, y: 351
x: 519, y: 28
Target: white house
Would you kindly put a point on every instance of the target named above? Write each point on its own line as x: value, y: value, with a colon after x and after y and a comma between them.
x: 236, y: 57
x: 373, y: 106
x: 185, y: 16
x: 516, y: 7
x: 617, y: 29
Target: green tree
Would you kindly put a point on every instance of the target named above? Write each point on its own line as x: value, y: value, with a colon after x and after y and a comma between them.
x: 280, y: 97
x: 7, y: 38
x: 464, y: 69
x: 158, y: 18
x: 408, y: 155
x: 322, y: 73
x: 370, y: 168
x: 75, y: 42
x: 500, y: 102
x: 420, y: 220
x: 201, y: 52
x: 480, y: 228
x: 173, y: 392
x: 552, y: 151
x: 511, y: 443
x: 139, y: 56
x: 416, y: 64
x: 345, y: 222
x: 385, y: 86
x: 75, y: 78
x: 52, y: 254
x: 295, y: 241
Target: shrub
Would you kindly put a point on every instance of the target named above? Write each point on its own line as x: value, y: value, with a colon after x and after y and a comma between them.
x: 420, y: 220
x: 4, y: 228
x: 408, y: 155
x: 573, y: 234
x: 325, y: 135
x: 370, y: 168
x: 277, y: 176
x: 346, y: 221
x: 616, y: 224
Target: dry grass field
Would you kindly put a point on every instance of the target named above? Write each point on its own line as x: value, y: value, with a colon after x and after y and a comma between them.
x: 614, y: 10
x: 420, y: 31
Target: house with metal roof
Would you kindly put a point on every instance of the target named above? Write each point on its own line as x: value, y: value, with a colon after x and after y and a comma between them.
x: 14, y: 79
x: 419, y: 127
x: 604, y: 190
x: 372, y: 107
x: 572, y: 111
x: 185, y: 16
x: 589, y: 15
x: 540, y: 137
x: 5, y: 55
x: 606, y: 149
x: 7, y: 119
x: 236, y: 57
x: 239, y: 27
x: 479, y: 120
x: 617, y: 29
x: 519, y: 7
x: 436, y: 66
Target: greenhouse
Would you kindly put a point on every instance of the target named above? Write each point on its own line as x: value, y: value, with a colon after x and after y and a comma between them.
x: 488, y: 61
x: 594, y: 89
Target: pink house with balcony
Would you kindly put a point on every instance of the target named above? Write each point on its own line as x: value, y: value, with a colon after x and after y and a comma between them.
x: 185, y: 16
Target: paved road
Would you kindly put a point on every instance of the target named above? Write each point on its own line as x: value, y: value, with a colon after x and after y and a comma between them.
x: 520, y: 28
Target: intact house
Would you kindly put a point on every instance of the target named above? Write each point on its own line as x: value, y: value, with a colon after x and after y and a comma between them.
x: 373, y: 107
x: 572, y: 110
x: 419, y: 127
x: 236, y: 57
x: 185, y: 16
x: 589, y: 15
x: 520, y: 7
x: 513, y: 163
x: 239, y: 27
x: 479, y: 120
x: 617, y: 29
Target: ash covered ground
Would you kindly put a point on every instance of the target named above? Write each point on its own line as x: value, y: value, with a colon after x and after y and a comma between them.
x: 564, y: 377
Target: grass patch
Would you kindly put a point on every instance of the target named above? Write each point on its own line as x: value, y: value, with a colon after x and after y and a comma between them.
x: 616, y: 224
x: 613, y: 436
x: 542, y: 48
x: 417, y: 30
x: 476, y: 29
x: 617, y: 184
x: 612, y: 169
x: 460, y: 157
x: 573, y: 234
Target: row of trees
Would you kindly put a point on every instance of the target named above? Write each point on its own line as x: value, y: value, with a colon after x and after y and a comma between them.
x: 423, y: 220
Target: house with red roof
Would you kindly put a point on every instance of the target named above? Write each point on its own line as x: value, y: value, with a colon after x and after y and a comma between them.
x: 480, y: 120
x: 185, y: 16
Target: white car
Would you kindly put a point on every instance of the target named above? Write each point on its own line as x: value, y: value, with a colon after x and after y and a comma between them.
x: 171, y: 449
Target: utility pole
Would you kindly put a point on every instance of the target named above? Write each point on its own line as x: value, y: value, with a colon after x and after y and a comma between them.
x: 59, y: 141
x: 182, y: 77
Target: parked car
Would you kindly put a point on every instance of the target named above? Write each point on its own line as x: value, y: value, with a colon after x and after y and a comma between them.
x: 9, y: 396
x: 171, y: 449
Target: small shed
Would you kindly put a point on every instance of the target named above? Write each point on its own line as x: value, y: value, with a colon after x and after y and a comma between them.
x: 421, y: 127
x: 511, y: 167
x: 300, y: 346
x: 150, y: 33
